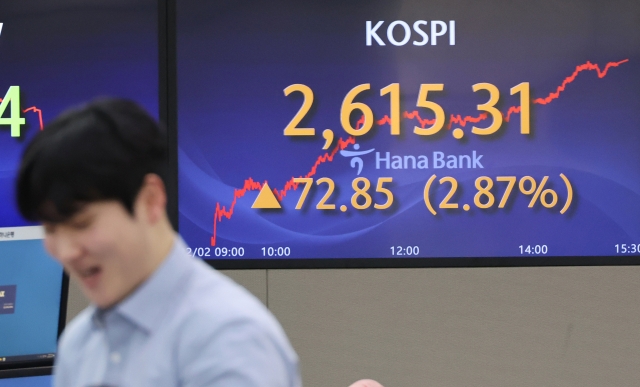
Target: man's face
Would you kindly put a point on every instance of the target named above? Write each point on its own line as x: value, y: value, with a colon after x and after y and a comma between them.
x: 103, y: 247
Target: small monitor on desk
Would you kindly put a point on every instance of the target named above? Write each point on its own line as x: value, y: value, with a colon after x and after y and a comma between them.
x: 32, y: 299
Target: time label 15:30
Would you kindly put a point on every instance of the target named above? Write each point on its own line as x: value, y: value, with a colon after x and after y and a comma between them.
x: 625, y: 248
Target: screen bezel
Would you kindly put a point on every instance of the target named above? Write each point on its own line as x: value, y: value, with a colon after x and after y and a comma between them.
x: 26, y: 372
x: 400, y: 263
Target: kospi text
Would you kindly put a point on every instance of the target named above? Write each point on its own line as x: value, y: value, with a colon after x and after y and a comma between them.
x: 401, y: 29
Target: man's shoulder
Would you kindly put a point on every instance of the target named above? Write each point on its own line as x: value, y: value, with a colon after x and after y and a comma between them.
x: 76, y: 332
x: 217, y: 299
x: 225, y: 327
x: 215, y: 303
x: 209, y: 293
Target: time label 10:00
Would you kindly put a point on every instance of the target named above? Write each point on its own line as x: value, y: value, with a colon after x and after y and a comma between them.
x: 393, y: 90
x: 276, y: 251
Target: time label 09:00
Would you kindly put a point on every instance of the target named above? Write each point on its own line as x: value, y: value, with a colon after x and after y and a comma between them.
x: 204, y: 252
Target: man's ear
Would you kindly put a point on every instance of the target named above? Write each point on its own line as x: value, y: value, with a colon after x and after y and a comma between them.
x: 152, y: 198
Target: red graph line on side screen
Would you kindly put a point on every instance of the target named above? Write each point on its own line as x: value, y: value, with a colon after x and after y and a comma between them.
x: 252, y: 185
x: 39, y: 112
x: 35, y: 110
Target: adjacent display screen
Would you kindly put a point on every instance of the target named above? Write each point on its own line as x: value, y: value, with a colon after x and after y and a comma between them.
x: 30, y: 296
x: 406, y: 129
x: 55, y: 55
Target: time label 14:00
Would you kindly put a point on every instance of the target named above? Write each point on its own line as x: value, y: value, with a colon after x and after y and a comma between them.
x: 533, y: 249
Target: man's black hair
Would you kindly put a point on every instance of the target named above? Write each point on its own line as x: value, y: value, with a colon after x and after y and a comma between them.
x: 99, y: 151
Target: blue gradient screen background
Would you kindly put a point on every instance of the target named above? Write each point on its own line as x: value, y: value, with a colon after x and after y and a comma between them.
x: 236, y: 58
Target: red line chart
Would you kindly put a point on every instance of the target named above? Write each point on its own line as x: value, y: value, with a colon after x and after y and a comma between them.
x: 252, y: 185
x: 463, y: 121
x: 35, y: 110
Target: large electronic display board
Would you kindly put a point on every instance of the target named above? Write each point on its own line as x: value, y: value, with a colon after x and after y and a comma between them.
x: 408, y: 129
x: 54, y: 55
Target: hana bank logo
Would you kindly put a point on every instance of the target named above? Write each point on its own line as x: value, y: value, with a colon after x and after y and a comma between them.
x: 356, y: 161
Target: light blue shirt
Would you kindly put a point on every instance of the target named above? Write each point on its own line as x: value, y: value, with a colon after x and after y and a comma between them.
x: 187, y: 325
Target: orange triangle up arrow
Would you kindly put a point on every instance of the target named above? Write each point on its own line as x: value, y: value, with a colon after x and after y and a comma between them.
x: 266, y: 198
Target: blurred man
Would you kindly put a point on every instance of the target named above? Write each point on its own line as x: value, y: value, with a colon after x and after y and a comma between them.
x: 95, y: 178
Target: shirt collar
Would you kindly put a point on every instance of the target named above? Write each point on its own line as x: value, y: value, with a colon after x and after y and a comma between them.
x: 148, y: 303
